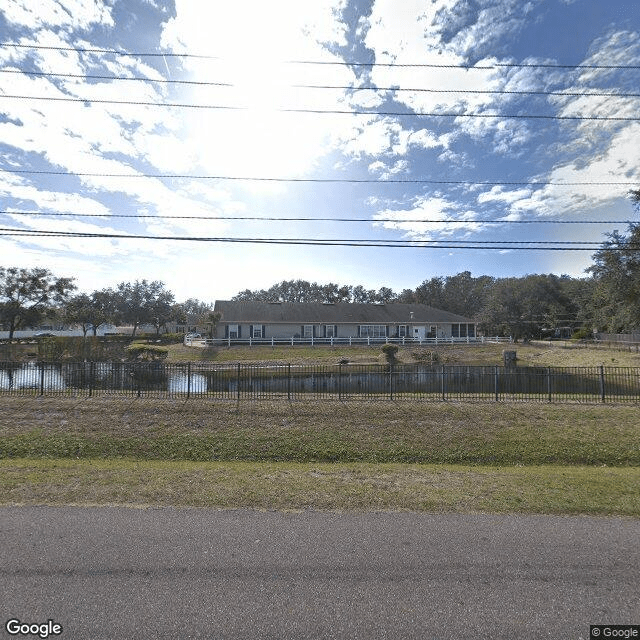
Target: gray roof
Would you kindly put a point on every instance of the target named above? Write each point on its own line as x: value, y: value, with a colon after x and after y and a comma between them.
x: 340, y: 313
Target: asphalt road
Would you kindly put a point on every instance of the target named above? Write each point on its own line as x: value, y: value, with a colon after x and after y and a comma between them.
x: 118, y: 573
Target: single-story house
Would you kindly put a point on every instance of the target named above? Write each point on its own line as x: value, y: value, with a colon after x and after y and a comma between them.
x: 286, y: 320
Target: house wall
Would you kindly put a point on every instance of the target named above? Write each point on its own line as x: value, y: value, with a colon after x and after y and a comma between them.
x: 287, y: 331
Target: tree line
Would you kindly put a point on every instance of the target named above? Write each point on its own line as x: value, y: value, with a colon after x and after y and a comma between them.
x: 607, y: 299
x: 29, y: 296
x: 525, y: 307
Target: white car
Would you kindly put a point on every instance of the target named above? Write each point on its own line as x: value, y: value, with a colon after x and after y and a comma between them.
x: 193, y: 336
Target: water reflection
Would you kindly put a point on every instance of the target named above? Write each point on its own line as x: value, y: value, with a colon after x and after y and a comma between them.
x: 105, y: 375
x: 31, y: 376
x: 180, y: 383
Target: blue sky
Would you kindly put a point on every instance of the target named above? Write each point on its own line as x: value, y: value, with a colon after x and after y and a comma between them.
x: 476, y: 66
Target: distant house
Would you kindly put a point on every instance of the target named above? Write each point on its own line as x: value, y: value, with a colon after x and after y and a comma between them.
x: 310, y: 321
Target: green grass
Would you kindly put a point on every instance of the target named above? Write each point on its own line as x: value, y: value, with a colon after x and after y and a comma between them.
x: 541, y: 354
x: 326, y: 431
x: 328, y: 455
x: 290, y: 486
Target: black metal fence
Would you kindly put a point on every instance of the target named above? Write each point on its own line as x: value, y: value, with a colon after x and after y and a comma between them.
x: 340, y: 381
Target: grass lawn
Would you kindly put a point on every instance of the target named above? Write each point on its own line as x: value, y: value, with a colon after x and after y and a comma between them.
x: 320, y: 431
x: 554, y: 354
x: 295, y: 486
x: 361, y: 455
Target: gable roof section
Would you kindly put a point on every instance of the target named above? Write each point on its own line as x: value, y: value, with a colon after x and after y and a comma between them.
x: 318, y: 313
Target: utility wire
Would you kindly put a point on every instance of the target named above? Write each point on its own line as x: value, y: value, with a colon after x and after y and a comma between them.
x: 569, y: 94
x: 408, y: 244
x: 352, y: 112
x: 488, y: 183
x: 350, y: 63
x: 305, y: 219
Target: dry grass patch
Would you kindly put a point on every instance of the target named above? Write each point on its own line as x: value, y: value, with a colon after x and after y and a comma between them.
x: 542, y: 354
x: 286, y: 486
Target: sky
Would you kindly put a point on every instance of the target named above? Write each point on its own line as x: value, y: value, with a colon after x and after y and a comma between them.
x: 435, y: 127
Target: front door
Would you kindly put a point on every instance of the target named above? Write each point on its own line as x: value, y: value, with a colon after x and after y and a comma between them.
x: 419, y: 333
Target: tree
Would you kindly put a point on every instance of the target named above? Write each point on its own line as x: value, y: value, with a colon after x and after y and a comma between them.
x: 522, y: 307
x: 616, y: 271
x: 385, y: 295
x: 194, y: 312
x: 78, y: 310
x: 304, y: 291
x: 462, y: 294
x: 91, y: 311
x: 28, y: 295
x: 616, y: 278
x: 430, y: 292
x: 143, y: 302
x: 212, y: 320
x: 361, y: 295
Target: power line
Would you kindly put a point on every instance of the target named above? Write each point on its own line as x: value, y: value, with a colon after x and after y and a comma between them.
x: 353, y: 112
x: 306, y: 219
x: 569, y: 94
x: 410, y: 244
x: 185, y: 176
x: 350, y: 63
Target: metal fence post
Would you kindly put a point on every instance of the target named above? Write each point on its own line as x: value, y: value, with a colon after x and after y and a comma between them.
x: 390, y: 381
x: 42, y: 378
x: 188, y: 380
x: 238, y: 382
x: 602, y: 389
x: 91, y: 374
x: 495, y: 384
x: 289, y: 381
x: 340, y: 381
x: 443, y: 386
x: 549, y: 383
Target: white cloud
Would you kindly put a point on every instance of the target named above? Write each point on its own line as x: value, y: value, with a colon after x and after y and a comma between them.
x: 250, y: 43
x: 70, y: 14
x: 385, y: 171
x: 429, y: 208
x: 498, y: 194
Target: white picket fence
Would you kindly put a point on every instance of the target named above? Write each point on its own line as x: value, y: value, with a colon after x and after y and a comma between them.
x: 209, y: 342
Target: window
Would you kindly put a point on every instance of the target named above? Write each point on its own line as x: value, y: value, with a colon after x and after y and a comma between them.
x: 330, y: 331
x: 256, y: 331
x: 307, y: 331
x: 233, y: 331
x: 373, y: 331
x: 463, y: 331
x: 402, y: 331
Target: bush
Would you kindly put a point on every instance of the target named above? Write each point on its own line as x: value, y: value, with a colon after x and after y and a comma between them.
x: 72, y: 348
x: 424, y: 355
x: 390, y: 351
x: 582, y: 334
x: 139, y: 351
